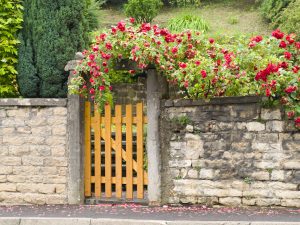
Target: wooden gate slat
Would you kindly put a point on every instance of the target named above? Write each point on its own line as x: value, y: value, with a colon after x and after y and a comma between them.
x: 140, y: 151
x: 118, y: 155
x: 129, y: 171
x: 87, y: 145
x: 97, y: 130
x: 124, y: 155
x: 108, y: 151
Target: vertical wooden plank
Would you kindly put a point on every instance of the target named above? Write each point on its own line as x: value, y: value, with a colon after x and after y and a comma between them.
x: 87, y: 152
x: 129, y: 172
x: 107, y: 151
x: 140, y: 151
x: 118, y: 124
x: 97, y: 130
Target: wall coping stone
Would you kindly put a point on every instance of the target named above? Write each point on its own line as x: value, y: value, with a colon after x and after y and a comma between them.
x: 213, y: 101
x: 33, y: 102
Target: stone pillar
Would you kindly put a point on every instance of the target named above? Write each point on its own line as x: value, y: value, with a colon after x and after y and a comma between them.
x: 75, y: 142
x: 156, y: 89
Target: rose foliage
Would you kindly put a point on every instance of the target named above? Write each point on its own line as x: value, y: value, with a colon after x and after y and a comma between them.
x: 202, y: 67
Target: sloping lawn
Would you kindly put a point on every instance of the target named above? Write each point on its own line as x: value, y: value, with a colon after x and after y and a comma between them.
x: 224, y: 17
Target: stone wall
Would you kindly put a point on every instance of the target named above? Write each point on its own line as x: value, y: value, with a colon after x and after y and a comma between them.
x: 33, y: 151
x: 229, y: 151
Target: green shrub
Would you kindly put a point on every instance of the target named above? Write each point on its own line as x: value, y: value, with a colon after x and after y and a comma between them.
x: 53, y: 31
x: 10, y: 23
x: 185, y: 3
x: 271, y: 9
x: 289, y: 21
x: 143, y: 10
x: 187, y: 22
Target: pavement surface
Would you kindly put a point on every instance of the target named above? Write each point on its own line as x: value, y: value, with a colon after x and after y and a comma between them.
x: 141, y: 214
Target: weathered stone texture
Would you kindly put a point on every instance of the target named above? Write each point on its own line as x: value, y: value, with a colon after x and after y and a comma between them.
x: 33, y: 165
x: 229, y: 152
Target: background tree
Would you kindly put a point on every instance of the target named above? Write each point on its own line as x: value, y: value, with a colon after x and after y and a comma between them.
x: 53, y: 31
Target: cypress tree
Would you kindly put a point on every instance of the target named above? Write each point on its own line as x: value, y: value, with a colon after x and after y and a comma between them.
x: 53, y: 31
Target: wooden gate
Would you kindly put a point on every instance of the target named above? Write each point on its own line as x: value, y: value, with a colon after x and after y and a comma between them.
x: 115, y: 159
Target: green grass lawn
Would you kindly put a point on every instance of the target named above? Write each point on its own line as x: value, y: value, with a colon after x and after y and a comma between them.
x: 224, y: 17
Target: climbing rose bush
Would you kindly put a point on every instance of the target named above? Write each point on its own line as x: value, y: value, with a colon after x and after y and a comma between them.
x: 202, y: 67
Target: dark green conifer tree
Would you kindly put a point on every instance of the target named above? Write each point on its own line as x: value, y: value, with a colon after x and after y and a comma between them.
x: 53, y: 31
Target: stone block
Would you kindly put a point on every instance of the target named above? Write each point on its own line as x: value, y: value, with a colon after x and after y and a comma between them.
x: 277, y: 175
x: 19, y: 150
x: 10, y: 161
x: 57, y: 120
x: 16, y: 178
x: 6, y: 169
x: 287, y: 194
x: 59, y: 130
x: 258, y: 193
x: 180, y: 163
x: 193, y: 173
x: 270, y: 114
x: 27, y: 188
x: 25, y: 170
x: 249, y: 201
x: 206, y: 174
x: 14, y: 139
x: 194, y: 146
x: 9, y: 187
x: 275, y: 126
x: 36, y: 121
x: 56, y: 161
x: 52, y: 179
x: 267, y: 201
x: 230, y: 201
x: 55, y: 140
x: 33, y: 198
x: 46, y: 188
x: 255, y: 126
x: 58, y: 151
x: 41, y: 131
x: 188, y: 199
x: 189, y: 128
x: 261, y: 175
x: 32, y: 161
x: 60, y: 111
x: 3, y: 178
x: 290, y: 203
x: 295, y: 164
x: 60, y: 188
x: 56, y: 199
x: 40, y: 150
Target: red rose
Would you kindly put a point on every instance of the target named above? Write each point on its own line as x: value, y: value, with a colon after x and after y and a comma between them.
x: 282, y: 44
x: 108, y: 46
x: 296, y: 69
x: 268, y: 92
x: 101, y: 88
x: 278, y: 34
x: 297, y: 122
x: 297, y: 45
x: 288, y: 55
x: 104, y: 64
x: 182, y: 65
x: 197, y: 63
x: 283, y: 65
x: 290, y: 89
x: 132, y: 20
x: 121, y: 26
x: 290, y: 39
x: 92, y: 57
x: 174, y: 50
x: 95, y: 48
x: 92, y: 91
x: 211, y: 40
x: 252, y: 44
x: 203, y: 73
x: 106, y: 70
x: 290, y: 114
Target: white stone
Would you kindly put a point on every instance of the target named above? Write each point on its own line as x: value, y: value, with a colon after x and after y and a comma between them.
x: 194, y: 146
x: 270, y: 114
x: 275, y: 126
x: 255, y: 126
x: 206, y: 174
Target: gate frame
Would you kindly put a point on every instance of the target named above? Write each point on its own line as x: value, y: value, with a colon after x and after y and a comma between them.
x: 157, y: 89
